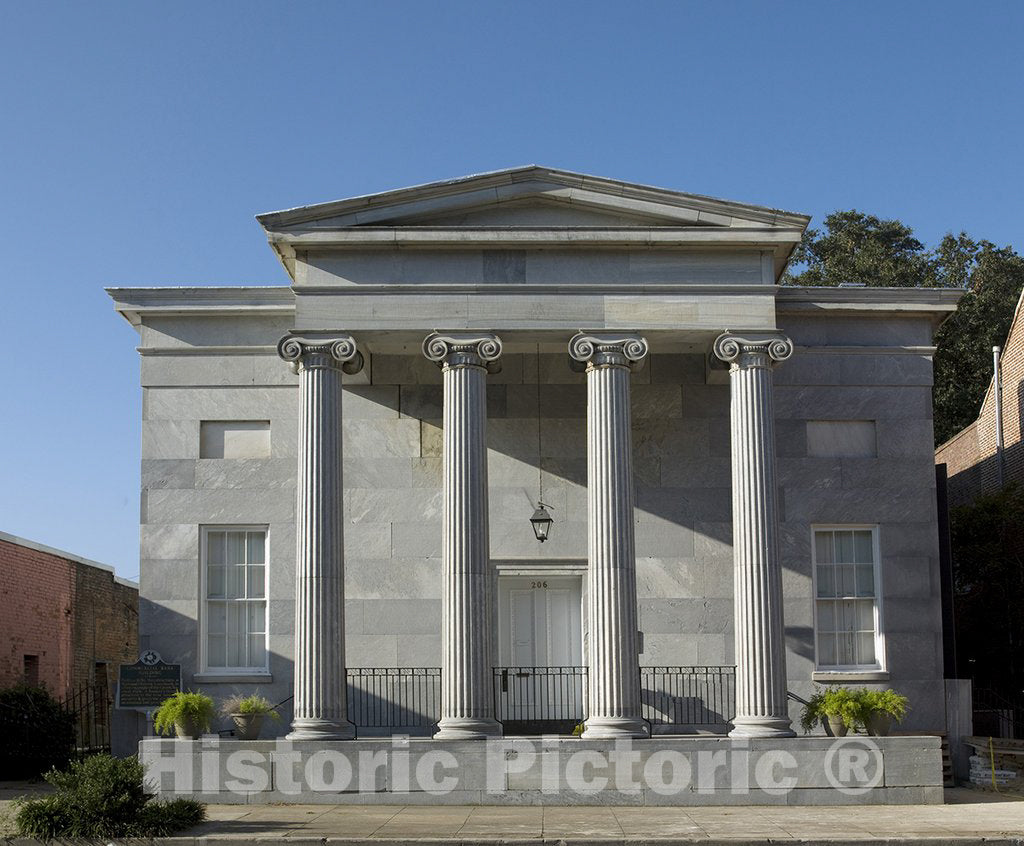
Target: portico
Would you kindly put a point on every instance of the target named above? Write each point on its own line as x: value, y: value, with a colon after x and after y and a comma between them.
x: 467, y: 704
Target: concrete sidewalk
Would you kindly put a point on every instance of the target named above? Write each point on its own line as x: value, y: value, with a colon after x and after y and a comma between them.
x: 970, y: 817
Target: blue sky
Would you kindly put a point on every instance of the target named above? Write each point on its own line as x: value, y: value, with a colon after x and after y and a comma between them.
x: 137, y: 141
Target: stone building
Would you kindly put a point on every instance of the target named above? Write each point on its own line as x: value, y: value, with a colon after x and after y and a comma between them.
x: 65, y: 622
x: 974, y: 464
x: 739, y: 475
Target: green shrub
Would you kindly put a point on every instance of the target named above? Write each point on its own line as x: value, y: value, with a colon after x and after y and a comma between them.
x: 181, y: 707
x: 103, y: 797
x: 37, y: 732
x: 886, y: 701
x: 255, y: 704
x: 833, y: 702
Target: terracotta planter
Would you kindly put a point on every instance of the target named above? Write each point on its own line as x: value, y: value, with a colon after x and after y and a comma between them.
x: 247, y: 726
x: 188, y: 728
x: 878, y: 724
x: 835, y: 727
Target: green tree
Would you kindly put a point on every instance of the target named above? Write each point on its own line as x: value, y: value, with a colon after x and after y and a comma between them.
x: 861, y: 249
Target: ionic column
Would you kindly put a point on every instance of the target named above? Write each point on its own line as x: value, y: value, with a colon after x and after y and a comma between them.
x: 614, y: 663
x: 757, y: 605
x: 467, y: 694
x: 320, y: 705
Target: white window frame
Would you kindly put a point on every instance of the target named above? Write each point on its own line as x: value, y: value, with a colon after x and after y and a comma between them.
x: 880, y: 657
x: 204, y: 613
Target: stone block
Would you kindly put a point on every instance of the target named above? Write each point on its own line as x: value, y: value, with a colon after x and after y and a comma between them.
x: 860, y: 505
x: 366, y: 540
x: 165, y: 439
x: 668, y: 577
x: 696, y: 472
x: 872, y: 370
x: 810, y: 473
x: 410, y: 505
x: 889, y: 473
x: 222, y: 403
x: 809, y: 367
x: 419, y: 650
x: 402, y: 616
x: 416, y: 540
x: 909, y: 577
x: 168, y: 473
x: 246, y: 507
x: 657, y: 401
x: 658, y: 538
x: 852, y: 403
x: 906, y: 438
x: 706, y: 401
x: 162, y: 579
x: 668, y: 616
x: 381, y: 438
x: 382, y: 473
x: 169, y: 541
x: 264, y: 474
x: 677, y: 369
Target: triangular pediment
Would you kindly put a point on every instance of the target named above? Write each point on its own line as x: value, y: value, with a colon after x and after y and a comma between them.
x: 529, y: 196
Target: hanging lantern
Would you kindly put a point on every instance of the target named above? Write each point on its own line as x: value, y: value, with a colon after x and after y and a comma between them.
x: 541, y: 522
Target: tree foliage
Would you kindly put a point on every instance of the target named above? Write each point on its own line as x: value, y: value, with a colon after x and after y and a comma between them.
x: 861, y: 249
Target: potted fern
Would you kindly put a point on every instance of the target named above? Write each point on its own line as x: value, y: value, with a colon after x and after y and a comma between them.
x: 881, y: 708
x: 837, y: 709
x: 248, y: 713
x: 188, y: 714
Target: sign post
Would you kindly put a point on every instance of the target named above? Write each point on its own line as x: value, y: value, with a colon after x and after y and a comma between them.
x: 142, y: 686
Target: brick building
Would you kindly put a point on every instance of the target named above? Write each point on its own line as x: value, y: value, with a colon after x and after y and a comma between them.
x: 65, y: 621
x: 970, y: 456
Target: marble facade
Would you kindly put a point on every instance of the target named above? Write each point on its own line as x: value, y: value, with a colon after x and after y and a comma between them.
x: 425, y: 477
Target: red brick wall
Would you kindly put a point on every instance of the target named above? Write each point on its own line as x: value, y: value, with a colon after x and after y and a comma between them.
x: 72, y: 615
x: 36, y: 595
x: 970, y: 455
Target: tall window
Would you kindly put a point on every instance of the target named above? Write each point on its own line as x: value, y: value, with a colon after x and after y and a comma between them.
x: 847, y: 610
x: 234, y: 567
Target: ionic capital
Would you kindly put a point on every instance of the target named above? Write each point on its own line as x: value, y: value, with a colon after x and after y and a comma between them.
x: 600, y: 350
x: 753, y: 350
x: 457, y: 350
x: 339, y: 352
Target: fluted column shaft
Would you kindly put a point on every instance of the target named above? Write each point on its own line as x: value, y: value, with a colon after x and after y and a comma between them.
x: 613, y: 648
x: 320, y: 703
x: 759, y: 630
x: 467, y: 695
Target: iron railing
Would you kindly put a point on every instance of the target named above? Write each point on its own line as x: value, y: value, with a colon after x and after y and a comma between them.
x: 996, y: 714
x: 540, y: 699
x: 89, y: 707
x: 695, y: 697
x: 395, y: 698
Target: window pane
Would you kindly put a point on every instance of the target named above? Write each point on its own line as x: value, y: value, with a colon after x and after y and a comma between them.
x: 256, y: 579
x: 826, y: 649
x: 217, y: 623
x: 236, y: 651
x: 216, y: 654
x: 865, y: 580
x: 866, y: 615
x: 823, y: 547
x: 863, y: 548
x: 826, y: 584
x: 257, y: 617
x: 844, y: 577
x: 215, y: 582
x: 844, y: 547
x: 257, y: 547
x: 215, y: 547
x: 234, y: 549
x: 866, y: 648
x: 234, y: 582
x: 846, y: 616
x: 826, y: 616
x: 257, y: 651
x: 846, y: 653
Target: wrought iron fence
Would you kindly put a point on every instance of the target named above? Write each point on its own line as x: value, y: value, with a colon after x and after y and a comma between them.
x: 395, y: 698
x: 539, y: 700
x: 688, y: 696
x: 997, y: 715
x: 89, y: 706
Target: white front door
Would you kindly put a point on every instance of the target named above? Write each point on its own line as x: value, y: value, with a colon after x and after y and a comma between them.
x: 540, y: 649
x: 540, y: 621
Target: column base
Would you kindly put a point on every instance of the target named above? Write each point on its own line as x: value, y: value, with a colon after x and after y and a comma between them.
x: 464, y: 728
x: 313, y: 729
x: 762, y: 727
x: 600, y: 728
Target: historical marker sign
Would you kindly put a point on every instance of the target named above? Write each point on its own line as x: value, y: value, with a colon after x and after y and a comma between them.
x: 146, y: 683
